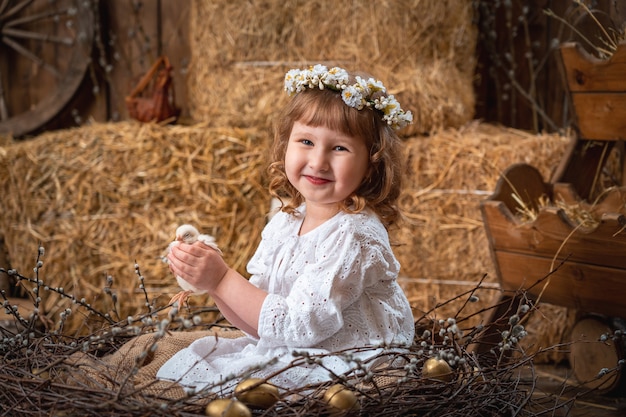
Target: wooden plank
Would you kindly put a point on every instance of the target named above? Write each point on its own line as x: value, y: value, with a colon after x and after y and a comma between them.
x: 517, y: 92
x: 586, y: 287
x: 553, y: 235
x: 598, y: 91
x: 601, y: 116
x: 135, y: 48
x: 612, y: 200
x: 142, y: 33
x: 586, y: 73
x: 557, y: 385
x: 580, y: 165
x: 176, y: 46
x: 520, y: 182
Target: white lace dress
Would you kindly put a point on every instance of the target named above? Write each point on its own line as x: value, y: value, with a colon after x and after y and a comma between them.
x: 331, y: 289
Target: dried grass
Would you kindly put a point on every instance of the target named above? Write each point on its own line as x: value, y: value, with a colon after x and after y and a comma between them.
x: 448, y: 174
x: 102, y: 197
x: 443, y: 240
x: 423, y: 50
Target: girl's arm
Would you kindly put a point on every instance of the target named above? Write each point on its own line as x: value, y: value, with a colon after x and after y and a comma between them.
x: 238, y: 300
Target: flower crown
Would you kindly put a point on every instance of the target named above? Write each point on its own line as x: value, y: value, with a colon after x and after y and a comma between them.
x: 357, y: 95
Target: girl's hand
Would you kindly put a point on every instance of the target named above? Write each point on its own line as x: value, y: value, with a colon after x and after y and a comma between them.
x: 202, y: 266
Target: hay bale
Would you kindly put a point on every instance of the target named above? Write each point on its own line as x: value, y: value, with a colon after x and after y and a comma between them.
x: 423, y: 50
x: 443, y: 248
x: 448, y: 174
x: 100, y: 198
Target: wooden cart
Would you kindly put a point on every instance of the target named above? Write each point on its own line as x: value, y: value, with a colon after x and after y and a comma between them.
x: 554, y: 257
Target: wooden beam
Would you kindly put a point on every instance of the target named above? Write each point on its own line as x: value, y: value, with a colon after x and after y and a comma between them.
x: 583, y: 286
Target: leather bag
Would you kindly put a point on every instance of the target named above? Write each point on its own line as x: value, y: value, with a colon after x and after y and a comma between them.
x: 153, y: 99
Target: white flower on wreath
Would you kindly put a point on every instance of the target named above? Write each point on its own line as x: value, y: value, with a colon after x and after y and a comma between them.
x: 352, y: 95
x: 358, y: 95
x: 336, y: 78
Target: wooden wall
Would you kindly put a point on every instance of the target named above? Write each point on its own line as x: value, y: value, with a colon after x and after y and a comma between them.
x: 518, y: 77
x: 130, y: 36
x: 134, y: 34
x: 518, y: 81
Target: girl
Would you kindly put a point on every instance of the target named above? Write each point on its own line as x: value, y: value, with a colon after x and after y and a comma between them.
x: 323, y: 278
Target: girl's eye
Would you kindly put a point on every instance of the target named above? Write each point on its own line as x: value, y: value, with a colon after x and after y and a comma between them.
x: 340, y: 148
x: 306, y: 142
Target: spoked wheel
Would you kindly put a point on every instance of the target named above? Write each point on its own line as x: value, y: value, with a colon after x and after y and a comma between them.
x: 45, y: 50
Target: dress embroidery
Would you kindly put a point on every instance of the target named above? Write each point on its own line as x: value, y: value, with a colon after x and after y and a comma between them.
x: 330, y: 289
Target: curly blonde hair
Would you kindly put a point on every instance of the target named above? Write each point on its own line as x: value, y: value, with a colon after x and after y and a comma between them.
x: 380, y: 188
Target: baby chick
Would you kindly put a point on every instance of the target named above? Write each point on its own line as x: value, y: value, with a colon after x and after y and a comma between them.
x: 189, y: 234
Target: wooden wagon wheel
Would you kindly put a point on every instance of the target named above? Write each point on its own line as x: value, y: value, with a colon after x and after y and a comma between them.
x: 45, y: 49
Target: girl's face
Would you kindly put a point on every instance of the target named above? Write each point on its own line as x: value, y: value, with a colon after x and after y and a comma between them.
x: 324, y: 165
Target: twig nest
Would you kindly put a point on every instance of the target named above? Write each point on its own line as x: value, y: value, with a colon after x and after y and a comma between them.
x: 257, y: 393
x: 340, y: 400
x: 224, y: 407
x: 478, y: 374
x: 437, y: 369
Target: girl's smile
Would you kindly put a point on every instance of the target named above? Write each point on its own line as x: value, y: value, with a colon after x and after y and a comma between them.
x: 316, y: 180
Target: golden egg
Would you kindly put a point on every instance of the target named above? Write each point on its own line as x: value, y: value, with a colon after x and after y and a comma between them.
x: 257, y: 393
x: 478, y: 374
x: 224, y: 407
x: 41, y: 373
x: 340, y: 399
x: 437, y: 369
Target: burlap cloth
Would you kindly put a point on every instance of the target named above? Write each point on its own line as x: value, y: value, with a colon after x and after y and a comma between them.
x: 131, y: 370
